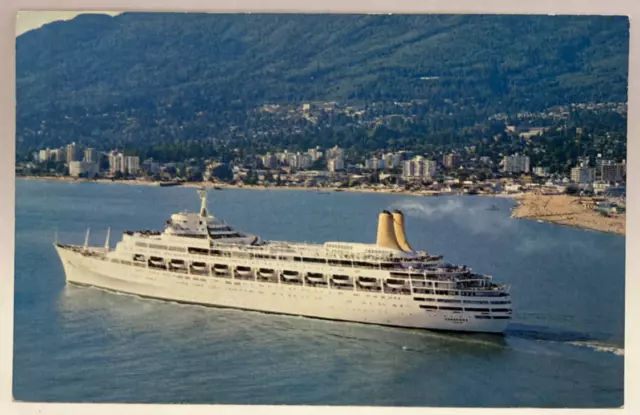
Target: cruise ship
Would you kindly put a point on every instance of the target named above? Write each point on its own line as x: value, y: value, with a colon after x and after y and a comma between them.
x: 200, y: 259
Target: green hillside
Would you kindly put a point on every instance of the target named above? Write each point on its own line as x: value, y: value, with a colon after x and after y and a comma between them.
x: 155, y: 77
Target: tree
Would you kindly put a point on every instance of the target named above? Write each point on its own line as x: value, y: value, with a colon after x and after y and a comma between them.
x: 195, y: 176
x: 222, y: 172
x: 572, y: 190
x: 61, y: 168
x: 319, y: 165
x: 251, y: 178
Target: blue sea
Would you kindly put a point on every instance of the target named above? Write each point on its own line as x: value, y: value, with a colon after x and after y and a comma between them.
x: 564, y: 347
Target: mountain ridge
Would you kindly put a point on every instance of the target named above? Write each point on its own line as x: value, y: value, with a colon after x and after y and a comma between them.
x: 166, y: 67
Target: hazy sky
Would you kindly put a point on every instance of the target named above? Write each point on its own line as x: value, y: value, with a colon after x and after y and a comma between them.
x: 34, y: 19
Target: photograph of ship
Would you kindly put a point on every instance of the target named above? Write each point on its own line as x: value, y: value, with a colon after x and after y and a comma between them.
x: 200, y: 259
x: 350, y: 210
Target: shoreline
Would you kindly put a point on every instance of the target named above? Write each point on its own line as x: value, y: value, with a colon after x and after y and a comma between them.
x: 557, y: 209
x: 221, y: 186
x: 567, y: 211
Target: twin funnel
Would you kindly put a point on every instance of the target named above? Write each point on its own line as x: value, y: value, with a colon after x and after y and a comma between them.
x: 391, y: 232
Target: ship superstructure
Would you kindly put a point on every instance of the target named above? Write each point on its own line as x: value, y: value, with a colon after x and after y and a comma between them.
x: 201, y: 259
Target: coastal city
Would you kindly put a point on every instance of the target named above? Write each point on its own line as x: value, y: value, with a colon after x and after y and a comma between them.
x: 590, y: 194
x: 398, y: 171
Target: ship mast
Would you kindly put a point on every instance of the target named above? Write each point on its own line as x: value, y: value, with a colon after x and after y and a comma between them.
x: 203, y: 202
x: 86, y: 239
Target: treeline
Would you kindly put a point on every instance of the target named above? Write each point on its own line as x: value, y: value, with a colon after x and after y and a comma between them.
x: 154, y: 78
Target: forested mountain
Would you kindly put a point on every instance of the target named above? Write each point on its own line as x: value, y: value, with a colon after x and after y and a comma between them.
x: 157, y: 77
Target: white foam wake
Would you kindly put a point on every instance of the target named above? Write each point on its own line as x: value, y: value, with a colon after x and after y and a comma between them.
x: 618, y: 351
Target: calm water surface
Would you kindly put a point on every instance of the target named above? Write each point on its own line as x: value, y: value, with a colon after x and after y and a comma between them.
x: 564, y: 348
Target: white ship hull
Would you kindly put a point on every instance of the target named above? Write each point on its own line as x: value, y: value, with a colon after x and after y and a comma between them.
x: 270, y: 297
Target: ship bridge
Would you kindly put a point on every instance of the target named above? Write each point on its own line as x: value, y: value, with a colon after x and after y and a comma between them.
x: 204, y: 226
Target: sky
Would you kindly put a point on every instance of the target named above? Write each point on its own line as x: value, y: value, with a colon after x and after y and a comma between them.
x: 29, y: 20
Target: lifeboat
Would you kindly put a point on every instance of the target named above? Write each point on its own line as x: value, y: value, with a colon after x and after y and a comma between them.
x: 290, y: 275
x: 367, y: 281
x: 313, y: 277
x: 156, y: 261
x: 198, y: 266
x: 221, y: 270
x: 243, y: 271
x: 341, y: 280
x: 177, y: 264
x: 393, y: 283
x: 138, y: 258
x: 266, y: 273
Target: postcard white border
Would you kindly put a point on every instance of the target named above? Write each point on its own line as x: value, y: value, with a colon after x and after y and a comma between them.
x: 8, y: 9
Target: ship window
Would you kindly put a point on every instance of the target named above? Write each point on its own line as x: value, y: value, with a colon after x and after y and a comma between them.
x: 154, y: 246
x: 501, y: 317
x: 451, y: 308
x: 186, y: 235
x: 364, y: 265
x: 224, y: 236
x: 445, y: 292
x: 141, y: 244
x: 483, y: 317
x: 482, y: 310
x: 176, y: 248
x: 501, y: 310
x: 314, y: 260
x: 428, y: 307
x: 401, y: 275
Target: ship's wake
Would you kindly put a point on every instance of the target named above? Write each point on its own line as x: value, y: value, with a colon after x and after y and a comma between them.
x: 566, y: 337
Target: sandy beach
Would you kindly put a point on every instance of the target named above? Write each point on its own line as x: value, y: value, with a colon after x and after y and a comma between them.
x: 566, y: 210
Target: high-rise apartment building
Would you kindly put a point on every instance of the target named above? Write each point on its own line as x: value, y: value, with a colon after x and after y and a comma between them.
x: 516, y: 164
x: 419, y: 167
x: 451, y: 160
x: 583, y: 175
x: 90, y: 155
x: 72, y: 151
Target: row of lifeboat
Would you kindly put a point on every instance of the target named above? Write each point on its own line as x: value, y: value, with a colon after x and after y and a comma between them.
x: 269, y: 274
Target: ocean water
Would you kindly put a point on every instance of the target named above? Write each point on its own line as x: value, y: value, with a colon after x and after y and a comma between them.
x: 564, y: 347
